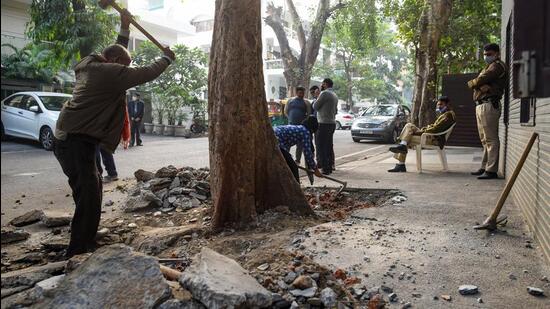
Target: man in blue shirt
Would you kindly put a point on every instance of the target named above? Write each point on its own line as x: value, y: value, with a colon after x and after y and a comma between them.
x: 298, y: 135
x: 297, y: 110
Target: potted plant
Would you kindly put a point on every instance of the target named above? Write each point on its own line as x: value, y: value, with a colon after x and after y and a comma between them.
x: 180, y: 129
x: 148, y: 128
x: 159, y: 109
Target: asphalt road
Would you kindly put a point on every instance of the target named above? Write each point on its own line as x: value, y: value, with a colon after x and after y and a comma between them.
x: 30, y: 171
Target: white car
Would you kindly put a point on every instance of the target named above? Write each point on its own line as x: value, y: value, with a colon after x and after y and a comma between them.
x: 32, y: 115
x: 344, y: 120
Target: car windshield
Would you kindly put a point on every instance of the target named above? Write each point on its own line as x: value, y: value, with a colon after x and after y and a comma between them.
x: 380, y: 110
x: 54, y: 103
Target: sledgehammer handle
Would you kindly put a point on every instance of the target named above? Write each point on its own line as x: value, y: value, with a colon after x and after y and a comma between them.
x: 138, y: 26
x: 512, y: 179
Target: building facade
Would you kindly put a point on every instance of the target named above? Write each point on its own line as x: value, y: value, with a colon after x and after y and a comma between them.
x: 525, y: 48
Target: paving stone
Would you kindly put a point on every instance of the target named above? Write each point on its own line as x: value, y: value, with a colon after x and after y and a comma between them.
x: 220, y: 282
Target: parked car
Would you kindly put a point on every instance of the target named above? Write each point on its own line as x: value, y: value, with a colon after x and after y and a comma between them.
x: 344, y: 120
x: 380, y: 122
x: 32, y: 115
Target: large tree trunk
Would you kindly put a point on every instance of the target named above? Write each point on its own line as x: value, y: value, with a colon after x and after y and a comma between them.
x: 297, y: 70
x: 248, y: 172
x: 432, y: 24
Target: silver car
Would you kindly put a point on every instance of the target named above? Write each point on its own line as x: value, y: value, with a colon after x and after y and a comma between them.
x: 380, y: 122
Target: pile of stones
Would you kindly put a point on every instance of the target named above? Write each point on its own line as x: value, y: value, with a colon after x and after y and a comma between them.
x: 169, y: 189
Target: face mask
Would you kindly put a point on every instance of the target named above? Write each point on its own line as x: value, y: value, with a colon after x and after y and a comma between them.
x: 489, y: 59
x: 440, y: 110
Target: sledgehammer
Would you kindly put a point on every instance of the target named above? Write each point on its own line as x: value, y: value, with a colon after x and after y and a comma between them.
x: 343, y: 183
x: 106, y: 3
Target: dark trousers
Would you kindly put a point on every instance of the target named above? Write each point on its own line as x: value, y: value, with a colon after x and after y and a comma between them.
x: 299, y: 152
x: 324, y: 144
x: 108, y: 161
x: 291, y: 164
x: 136, y: 135
x: 77, y: 157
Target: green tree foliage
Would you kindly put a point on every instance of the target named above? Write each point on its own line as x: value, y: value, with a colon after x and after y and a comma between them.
x: 472, y: 24
x: 369, y: 60
x: 180, y: 84
x: 75, y: 28
x: 30, y: 62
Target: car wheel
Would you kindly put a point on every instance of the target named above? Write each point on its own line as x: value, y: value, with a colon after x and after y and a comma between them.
x: 3, y: 133
x: 357, y: 140
x: 338, y: 125
x: 46, y: 138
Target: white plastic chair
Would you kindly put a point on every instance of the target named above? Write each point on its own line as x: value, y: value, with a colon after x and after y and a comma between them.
x: 441, y: 152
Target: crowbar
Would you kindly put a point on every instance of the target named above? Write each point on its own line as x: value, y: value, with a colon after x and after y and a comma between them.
x: 343, y: 183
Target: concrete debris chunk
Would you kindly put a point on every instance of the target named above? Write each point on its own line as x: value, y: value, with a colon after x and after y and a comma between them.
x: 468, y: 289
x: 11, y: 234
x: 535, y: 291
x: 56, y: 218
x: 142, y: 175
x: 114, y: 276
x: 29, y: 217
x: 219, y: 282
x: 304, y: 293
x: 169, y: 171
x: 328, y: 297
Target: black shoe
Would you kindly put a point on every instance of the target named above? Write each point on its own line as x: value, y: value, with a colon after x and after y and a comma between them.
x: 140, y: 144
x: 480, y: 171
x: 108, y: 179
x: 131, y: 145
x: 399, y: 168
x: 399, y: 149
x: 326, y: 172
x: 488, y: 175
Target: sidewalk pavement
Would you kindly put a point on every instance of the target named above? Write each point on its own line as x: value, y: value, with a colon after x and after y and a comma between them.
x: 425, y: 247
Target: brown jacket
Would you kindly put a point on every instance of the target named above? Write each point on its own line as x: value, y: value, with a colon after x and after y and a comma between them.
x: 99, y: 99
x: 490, y: 82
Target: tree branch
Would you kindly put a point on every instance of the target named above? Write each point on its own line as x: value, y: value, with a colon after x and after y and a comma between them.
x: 314, y: 42
x: 274, y: 20
x: 298, y: 23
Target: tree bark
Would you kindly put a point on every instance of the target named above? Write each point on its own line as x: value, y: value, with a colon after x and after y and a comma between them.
x: 432, y: 24
x: 297, y: 69
x: 248, y: 172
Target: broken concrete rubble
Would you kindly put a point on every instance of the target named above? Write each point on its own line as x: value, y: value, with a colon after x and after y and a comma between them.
x: 56, y: 218
x: 220, y: 282
x: 11, y: 234
x: 155, y: 240
x: 129, y: 274
x: 27, y: 218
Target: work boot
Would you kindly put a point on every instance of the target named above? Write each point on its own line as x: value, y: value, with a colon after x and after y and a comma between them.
x: 399, y: 168
x: 399, y: 149
x: 488, y: 175
x: 479, y: 172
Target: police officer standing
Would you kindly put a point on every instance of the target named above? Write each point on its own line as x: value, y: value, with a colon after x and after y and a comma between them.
x: 488, y: 88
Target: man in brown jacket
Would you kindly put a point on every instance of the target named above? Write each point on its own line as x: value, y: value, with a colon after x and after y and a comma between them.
x: 95, y: 118
x: 488, y: 88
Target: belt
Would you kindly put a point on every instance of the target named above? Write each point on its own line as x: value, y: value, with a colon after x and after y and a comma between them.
x: 488, y: 100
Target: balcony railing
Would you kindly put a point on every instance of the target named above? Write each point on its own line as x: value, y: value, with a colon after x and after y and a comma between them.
x: 274, y: 64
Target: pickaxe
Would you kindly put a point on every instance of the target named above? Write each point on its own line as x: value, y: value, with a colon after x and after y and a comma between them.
x: 343, y: 183
x: 104, y: 4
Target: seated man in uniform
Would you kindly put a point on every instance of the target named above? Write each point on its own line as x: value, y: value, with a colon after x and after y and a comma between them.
x: 298, y: 135
x: 410, y: 136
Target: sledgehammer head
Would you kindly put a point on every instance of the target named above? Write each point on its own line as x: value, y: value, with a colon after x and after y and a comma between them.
x: 105, y: 3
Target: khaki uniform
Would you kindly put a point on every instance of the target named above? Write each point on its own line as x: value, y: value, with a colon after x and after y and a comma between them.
x: 488, y: 88
x: 411, y: 133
